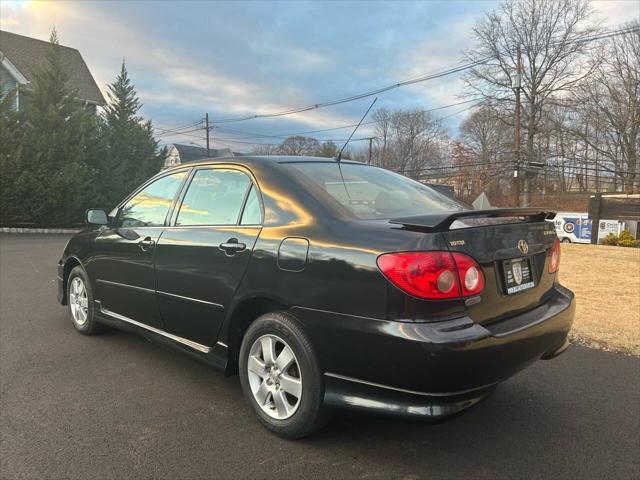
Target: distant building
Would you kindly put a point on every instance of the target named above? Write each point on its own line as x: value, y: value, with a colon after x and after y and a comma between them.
x: 21, y: 57
x: 443, y: 189
x: 178, y: 154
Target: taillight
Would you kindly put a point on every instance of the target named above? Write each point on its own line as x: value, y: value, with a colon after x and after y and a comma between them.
x: 554, y: 256
x: 471, y: 278
x: 432, y: 275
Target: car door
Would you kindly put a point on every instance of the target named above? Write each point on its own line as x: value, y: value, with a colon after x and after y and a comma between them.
x: 201, y: 258
x: 122, y: 266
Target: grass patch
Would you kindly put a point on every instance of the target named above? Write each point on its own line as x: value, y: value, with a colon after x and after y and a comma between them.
x: 606, y: 281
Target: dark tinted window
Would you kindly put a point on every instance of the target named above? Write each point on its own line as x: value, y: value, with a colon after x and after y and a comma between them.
x: 370, y: 192
x: 214, y: 197
x: 149, y: 207
x: 252, y: 214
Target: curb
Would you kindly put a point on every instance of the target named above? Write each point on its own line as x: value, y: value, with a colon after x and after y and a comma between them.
x: 38, y: 230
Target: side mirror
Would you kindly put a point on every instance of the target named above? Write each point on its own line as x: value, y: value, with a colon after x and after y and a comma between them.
x: 95, y: 216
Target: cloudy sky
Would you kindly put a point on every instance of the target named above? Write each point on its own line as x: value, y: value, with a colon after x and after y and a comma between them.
x: 233, y: 59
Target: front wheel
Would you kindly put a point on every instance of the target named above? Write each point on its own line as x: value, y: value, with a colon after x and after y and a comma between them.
x: 281, y: 377
x: 80, y: 300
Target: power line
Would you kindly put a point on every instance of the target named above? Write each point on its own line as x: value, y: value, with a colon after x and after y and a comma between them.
x: 422, y: 78
x: 557, y: 168
x: 176, y: 130
x: 454, y: 69
x: 352, y: 98
x: 242, y: 140
x: 186, y: 134
x: 285, y: 135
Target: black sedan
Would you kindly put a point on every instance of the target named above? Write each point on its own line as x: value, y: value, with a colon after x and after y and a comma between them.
x: 324, y: 284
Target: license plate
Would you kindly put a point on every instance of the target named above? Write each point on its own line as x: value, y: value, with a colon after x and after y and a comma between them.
x: 517, y: 275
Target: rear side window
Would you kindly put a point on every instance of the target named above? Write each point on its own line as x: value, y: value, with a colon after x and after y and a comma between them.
x: 149, y: 207
x: 371, y: 193
x: 252, y: 214
x: 214, y: 197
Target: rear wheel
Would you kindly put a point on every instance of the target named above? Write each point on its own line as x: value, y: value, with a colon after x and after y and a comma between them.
x: 280, y: 376
x: 566, y: 240
x: 80, y: 300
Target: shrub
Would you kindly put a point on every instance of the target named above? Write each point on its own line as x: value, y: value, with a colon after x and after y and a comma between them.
x: 625, y: 239
x: 610, y: 239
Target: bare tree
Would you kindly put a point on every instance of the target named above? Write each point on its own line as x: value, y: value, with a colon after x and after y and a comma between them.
x: 609, y: 102
x: 485, y: 136
x: 382, y: 117
x: 266, y: 149
x: 299, y: 145
x: 409, y: 141
x: 552, y: 36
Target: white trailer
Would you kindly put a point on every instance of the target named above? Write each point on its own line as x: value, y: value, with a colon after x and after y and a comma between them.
x: 576, y: 227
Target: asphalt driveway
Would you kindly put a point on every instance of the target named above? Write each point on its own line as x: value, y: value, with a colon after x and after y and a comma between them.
x: 117, y: 406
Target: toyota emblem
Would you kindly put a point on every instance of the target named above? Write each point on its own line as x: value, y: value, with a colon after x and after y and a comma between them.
x: 523, y: 246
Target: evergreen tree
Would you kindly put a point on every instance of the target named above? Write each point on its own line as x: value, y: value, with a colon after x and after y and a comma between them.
x: 11, y: 133
x: 52, y: 161
x: 132, y: 153
x: 330, y: 150
x: 59, y: 158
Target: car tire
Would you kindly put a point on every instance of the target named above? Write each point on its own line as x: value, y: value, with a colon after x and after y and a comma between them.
x: 271, y: 393
x: 80, y: 302
x: 566, y: 240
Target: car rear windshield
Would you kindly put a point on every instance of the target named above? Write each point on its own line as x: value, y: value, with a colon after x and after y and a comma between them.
x: 372, y: 193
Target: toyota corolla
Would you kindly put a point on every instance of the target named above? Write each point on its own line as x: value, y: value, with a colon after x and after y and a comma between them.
x: 324, y: 284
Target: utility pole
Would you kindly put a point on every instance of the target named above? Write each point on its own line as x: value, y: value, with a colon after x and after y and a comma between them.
x: 517, y: 84
x: 206, y: 122
x: 597, y: 165
x: 586, y: 157
x: 370, y: 147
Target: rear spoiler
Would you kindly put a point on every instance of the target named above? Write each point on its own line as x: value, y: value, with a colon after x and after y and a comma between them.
x: 442, y: 221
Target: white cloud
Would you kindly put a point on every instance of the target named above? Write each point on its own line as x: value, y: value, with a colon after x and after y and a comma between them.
x: 285, y: 73
x: 615, y: 12
x: 177, y: 80
x: 8, y: 21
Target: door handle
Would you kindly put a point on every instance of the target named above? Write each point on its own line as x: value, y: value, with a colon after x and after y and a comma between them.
x: 146, y: 244
x: 232, y: 246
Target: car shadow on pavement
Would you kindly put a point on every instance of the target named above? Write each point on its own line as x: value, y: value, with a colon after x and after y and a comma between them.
x: 547, y: 421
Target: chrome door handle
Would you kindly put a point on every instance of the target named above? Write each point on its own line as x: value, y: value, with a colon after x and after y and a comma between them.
x: 146, y: 244
x: 232, y: 246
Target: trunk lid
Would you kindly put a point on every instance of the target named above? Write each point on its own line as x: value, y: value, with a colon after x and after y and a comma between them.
x: 511, y: 246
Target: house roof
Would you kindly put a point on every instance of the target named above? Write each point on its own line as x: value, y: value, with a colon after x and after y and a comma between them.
x: 192, y: 153
x: 27, y: 55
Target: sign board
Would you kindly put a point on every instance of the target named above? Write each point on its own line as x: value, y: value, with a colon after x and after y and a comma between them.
x: 622, y: 207
x: 605, y: 227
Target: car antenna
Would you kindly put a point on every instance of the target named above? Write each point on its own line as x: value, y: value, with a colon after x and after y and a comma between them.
x: 339, y: 156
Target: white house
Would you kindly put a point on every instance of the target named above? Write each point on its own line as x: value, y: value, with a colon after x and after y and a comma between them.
x: 178, y: 154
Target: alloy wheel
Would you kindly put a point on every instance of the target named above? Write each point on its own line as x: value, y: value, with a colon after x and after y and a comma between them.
x: 78, y: 301
x: 274, y: 376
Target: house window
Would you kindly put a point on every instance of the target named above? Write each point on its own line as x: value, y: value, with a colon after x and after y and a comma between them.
x: 8, y: 86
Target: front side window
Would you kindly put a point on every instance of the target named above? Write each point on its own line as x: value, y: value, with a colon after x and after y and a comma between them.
x: 149, y: 207
x: 214, y: 197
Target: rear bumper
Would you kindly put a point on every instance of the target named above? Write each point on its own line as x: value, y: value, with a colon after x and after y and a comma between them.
x: 346, y: 392
x: 431, y: 369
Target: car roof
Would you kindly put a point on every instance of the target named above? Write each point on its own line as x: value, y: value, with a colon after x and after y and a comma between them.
x: 267, y: 160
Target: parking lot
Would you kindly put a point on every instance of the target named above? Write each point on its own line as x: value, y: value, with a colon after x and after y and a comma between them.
x: 117, y: 406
